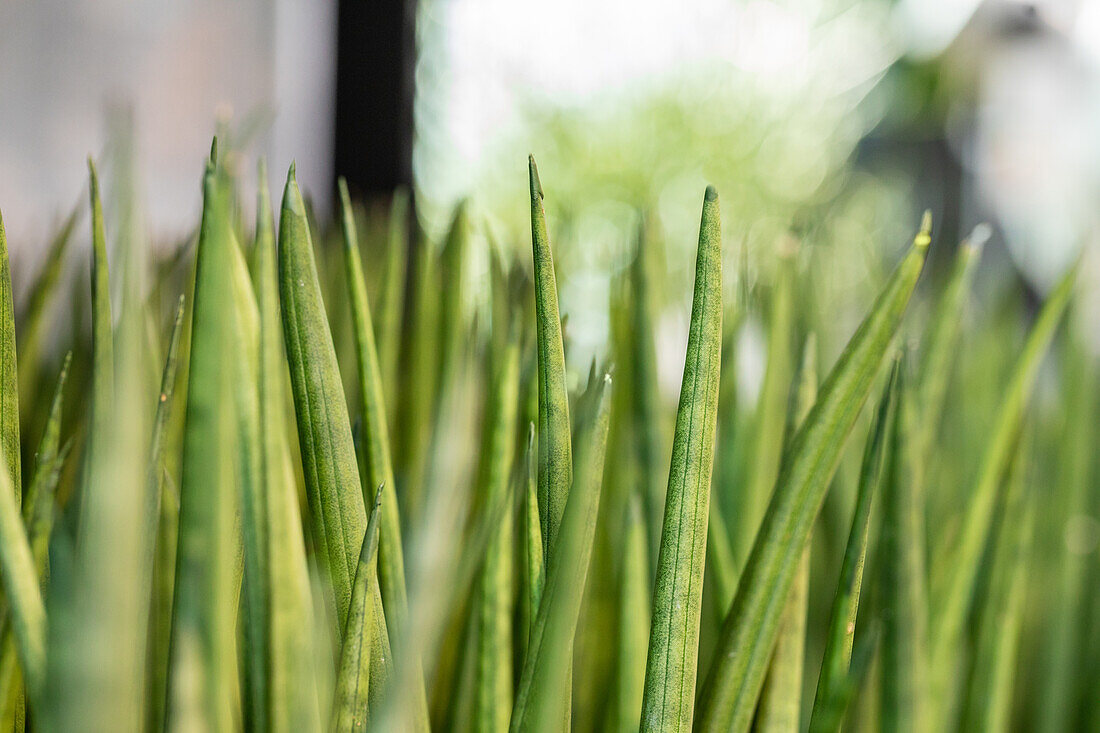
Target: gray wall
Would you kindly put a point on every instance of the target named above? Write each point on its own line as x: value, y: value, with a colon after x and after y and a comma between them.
x: 172, y: 68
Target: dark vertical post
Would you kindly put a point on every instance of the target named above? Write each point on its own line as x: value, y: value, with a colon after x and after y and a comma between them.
x: 375, y: 64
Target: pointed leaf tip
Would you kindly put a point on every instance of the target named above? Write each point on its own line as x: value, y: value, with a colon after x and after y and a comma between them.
x: 711, y: 194
x: 979, y: 236
x: 214, y: 151
x: 924, y: 236
x: 292, y: 196
x: 345, y: 197
x: 533, y: 170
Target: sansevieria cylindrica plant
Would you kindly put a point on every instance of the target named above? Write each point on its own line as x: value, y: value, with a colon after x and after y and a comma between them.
x: 311, y: 475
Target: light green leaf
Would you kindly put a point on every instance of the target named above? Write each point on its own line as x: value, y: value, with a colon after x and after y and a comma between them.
x: 103, y: 361
x: 555, y: 446
x: 1075, y: 475
x: 337, y: 514
x: 635, y: 606
x: 360, y: 652
x: 9, y: 384
x: 253, y: 521
x: 204, y: 611
x: 831, y: 712
x: 842, y: 616
x: 161, y: 526
x: 542, y: 698
x: 904, y: 661
x: 993, y: 668
x: 781, y: 702
x: 534, y: 571
x: 494, y: 592
x: 292, y: 689
x: 38, y: 520
x: 21, y: 590
x: 677, y: 596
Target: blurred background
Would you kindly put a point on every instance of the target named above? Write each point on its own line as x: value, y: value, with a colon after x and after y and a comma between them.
x: 869, y: 110
x: 827, y: 127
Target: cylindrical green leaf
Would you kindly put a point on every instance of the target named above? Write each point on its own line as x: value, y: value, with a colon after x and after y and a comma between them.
x: 204, y: 611
x: 494, y: 591
x: 21, y: 591
x: 993, y: 667
x: 103, y: 360
x: 842, y: 617
x: 292, y: 688
x: 9, y: 377
x: 543, y: 695
x: 781, y: 702
x: 677, y: 596
x: 902, y: 585
x: 337, y: 514
x: 533, y: 569
x: 555, y: 446
x: 633, y: 622
x: 359, y: 652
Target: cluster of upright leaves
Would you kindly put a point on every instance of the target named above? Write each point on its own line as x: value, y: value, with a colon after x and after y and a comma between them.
x: 258, y: 554
x: 729, y: 694
x: 569, y: 485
